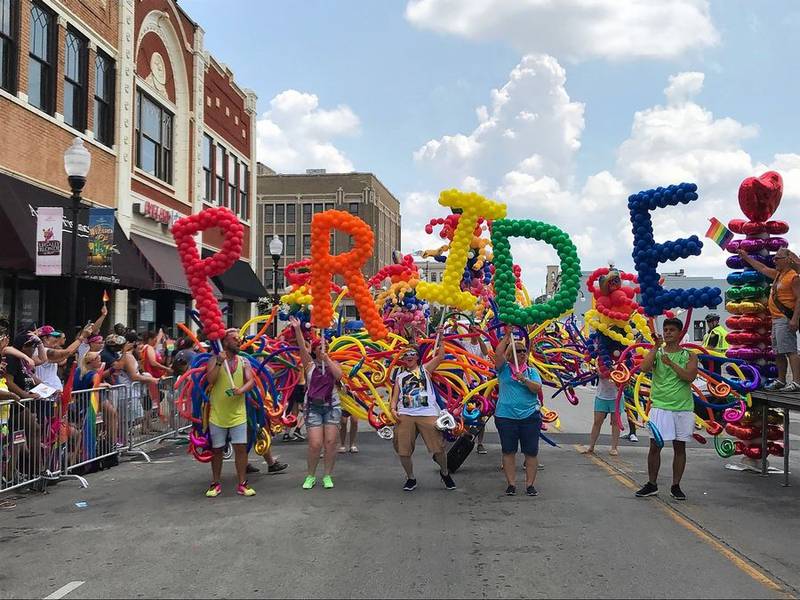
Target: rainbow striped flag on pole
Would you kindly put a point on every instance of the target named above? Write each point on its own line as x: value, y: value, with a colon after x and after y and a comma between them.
x: 720, y: 234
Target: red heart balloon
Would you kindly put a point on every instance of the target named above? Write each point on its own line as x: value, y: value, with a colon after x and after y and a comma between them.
x: 759, y: 197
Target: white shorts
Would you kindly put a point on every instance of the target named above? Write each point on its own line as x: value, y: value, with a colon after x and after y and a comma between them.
x: 673, y: 425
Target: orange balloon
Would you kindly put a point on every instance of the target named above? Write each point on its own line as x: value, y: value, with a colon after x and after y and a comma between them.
x: 348, y: 264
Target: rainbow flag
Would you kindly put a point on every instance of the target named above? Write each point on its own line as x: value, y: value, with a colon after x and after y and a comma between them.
x: 720, y: 234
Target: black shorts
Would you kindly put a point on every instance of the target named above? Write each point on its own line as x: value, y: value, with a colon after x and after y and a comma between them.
x: 516, y: 433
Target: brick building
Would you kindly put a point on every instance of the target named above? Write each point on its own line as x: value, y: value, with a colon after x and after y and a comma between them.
x: 168, y: 129
x: 286, y: 204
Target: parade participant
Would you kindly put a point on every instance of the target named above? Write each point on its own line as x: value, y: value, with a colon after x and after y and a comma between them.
x: 296, y: 401
x: 228, y: 416
x: 673, y: 370
x: 517, y: 414
x: 323, y: 412
x: 604, y: 404
x: 415, y: 409
x: 476, y: 345
x: 784, y: 308
x: 352, y: 421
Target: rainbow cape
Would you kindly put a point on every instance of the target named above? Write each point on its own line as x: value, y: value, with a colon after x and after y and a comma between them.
x: 720, y: 234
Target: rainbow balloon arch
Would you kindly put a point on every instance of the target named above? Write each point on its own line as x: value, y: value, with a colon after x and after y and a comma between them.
x: 481, y: 294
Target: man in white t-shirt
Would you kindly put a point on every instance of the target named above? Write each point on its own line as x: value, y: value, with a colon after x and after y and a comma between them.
x: 415, y: 409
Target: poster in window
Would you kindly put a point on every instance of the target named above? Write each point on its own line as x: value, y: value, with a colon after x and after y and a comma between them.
x: 48, y: 240
x: 100, y: 242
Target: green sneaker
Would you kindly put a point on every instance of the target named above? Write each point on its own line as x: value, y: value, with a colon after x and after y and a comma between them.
x: 309, y: 482
x: 327, y: 482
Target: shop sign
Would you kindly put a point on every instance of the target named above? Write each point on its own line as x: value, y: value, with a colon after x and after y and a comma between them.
x: 159, y: 214
x: 48, y: 240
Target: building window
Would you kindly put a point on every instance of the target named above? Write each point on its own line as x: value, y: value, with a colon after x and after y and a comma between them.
x: 306, y: 213
x: 306, y: 245
x: 269, y: 214
x: 76, y: 59
x: 8, y: 45
x: 279, y: 214
x: 105, y: 81
x: 332, y: 246
x: 154, y: 138
x: 219, y: 167
x: 208, y: 152
x: 244, y: 186
x: 318, y: 208
x: 290, y: 214
x: 352, y: 208
x: 233, y: 185
x: 291, y: 249
x: 41, y: 74
x: 329, y: 206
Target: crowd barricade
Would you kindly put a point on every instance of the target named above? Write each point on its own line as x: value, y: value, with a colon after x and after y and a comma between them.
x: 43, y: 440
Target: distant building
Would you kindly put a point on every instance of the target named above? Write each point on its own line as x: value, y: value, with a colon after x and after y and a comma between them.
x: 697, y: 328
x: 430, y: 270
x: 286, y: 204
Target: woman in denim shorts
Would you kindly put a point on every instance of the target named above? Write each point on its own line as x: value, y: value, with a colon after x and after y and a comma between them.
x: 323, y: 412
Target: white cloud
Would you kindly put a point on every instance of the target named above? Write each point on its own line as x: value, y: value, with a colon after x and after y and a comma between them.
x: 296, y: 134
x: 575, y: 29
x: 531, y: 115
x: 683, y: 86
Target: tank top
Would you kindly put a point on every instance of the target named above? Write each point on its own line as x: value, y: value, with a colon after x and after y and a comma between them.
x: 782, y: 287
x: 150, y: 367
x: 48, y: 373
x: 228, y: 411
x: 122, y: 375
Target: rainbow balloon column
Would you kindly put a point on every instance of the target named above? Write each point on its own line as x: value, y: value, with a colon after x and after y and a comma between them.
x: 750, y: 325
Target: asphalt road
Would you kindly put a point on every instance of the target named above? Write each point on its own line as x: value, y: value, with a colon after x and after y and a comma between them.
x: 148, y: 531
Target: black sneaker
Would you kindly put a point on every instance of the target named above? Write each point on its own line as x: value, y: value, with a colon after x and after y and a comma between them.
x: 649, y: 489
x: 277, y: 467
x: 676, y: 492
x: 252, y: 469
x: 511, y: 490
x: 531, y: 491
x: 287, y: 437
x: 410, y: 486
x: 448, y: 481
x: 298, y: 437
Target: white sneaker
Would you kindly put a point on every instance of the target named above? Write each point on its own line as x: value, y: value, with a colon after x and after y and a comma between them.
x: 632, y: 437
x: 791, y: 387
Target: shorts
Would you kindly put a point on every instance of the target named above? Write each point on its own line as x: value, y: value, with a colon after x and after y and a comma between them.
x: 297, y: 398
x: 318, y: 415
x: 673, y: 425
x: 603, y: 405
x: 516, y: 433
x: 409, y: 427
x: 784, y: 340
x: 220, y: 435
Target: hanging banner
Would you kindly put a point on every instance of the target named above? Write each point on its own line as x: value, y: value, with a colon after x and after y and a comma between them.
x: 48, y: 240
x: 101, y: 242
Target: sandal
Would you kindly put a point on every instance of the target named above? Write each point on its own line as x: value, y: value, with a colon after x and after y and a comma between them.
x: 613, y: 452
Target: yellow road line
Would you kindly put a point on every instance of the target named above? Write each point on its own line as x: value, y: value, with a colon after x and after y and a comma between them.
x: 738, y: 561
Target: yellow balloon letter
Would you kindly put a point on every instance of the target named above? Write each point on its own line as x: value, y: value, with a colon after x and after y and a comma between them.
x: 472, y: 206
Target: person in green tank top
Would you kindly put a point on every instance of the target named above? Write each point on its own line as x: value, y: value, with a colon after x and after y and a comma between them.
x: 228, y: 416
x: 672, y: 369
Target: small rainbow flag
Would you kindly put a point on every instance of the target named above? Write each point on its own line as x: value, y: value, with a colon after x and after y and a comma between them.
x: 720, y: 234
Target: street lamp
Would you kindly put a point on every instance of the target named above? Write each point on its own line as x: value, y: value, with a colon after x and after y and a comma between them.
x: 77, y: 162
x: 275, y: 249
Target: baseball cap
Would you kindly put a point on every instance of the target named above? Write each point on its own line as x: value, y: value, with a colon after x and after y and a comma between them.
x: 95, y: 339
x: 712, y: 317
x: 47, y: 330
x: 112, y: 339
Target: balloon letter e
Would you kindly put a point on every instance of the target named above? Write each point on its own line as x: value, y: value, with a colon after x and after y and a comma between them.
x: 647, y: 254
x: 504, y: 284
x: 198, y: 271
x: 473, y: 206
x: 347, y: 264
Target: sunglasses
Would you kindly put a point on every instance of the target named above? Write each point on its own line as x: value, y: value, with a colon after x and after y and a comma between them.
x: 410, y: 354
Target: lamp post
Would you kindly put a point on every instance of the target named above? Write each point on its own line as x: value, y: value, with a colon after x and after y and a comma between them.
x: 275, y: 249
x: 77, y: 162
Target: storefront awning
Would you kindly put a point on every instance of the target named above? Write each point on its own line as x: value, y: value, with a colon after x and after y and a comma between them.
x: 166, y: 264
x: 19, y: 202
x: 239, y: 281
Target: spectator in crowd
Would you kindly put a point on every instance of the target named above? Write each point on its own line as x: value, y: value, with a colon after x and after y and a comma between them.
x: 184, y: 356
x: 129, y: 373
x: 47, y: 372
x: 93, y: 343
x: 91, y: 375
x: 152, y: 358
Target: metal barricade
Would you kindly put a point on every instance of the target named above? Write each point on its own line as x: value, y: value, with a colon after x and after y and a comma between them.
x: 20, y: 445
x: 153, y: 414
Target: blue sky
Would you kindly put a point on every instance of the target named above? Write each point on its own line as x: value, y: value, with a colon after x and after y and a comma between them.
x: 391, y: 82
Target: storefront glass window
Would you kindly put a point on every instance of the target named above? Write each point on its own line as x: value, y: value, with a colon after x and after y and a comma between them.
x: 147, y: 314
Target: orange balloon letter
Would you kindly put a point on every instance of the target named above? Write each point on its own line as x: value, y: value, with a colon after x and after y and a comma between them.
x: 324, y: 267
